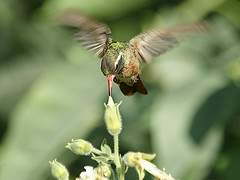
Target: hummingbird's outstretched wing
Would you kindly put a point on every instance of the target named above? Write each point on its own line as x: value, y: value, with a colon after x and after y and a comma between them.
x: 91, y: 34
x: 156, y: 42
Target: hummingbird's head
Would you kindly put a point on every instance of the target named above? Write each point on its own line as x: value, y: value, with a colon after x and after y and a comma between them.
x: 111, y: 65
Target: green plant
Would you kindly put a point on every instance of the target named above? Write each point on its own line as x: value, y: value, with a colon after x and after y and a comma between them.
x: 105, y: 158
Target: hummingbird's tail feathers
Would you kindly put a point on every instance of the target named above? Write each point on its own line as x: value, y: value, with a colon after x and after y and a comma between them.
x: 126, y: 89
x: 138, y: 86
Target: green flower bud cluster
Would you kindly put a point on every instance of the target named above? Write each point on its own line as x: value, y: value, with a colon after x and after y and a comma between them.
x: 105, y: 156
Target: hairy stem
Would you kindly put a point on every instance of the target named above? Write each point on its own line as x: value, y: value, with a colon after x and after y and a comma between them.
x: 116, y: 151
x: 117, y: 158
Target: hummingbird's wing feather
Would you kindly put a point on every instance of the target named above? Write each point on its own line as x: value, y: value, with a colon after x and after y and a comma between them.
x: 156, y: 42
x: 91, y: 34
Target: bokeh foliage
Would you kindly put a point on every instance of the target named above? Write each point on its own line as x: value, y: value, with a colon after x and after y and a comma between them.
x: 52, y: 90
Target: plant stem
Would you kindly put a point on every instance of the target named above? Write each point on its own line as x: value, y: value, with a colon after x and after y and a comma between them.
x: 117, y: 158
x: 116, y: 151
x: 96, y: 151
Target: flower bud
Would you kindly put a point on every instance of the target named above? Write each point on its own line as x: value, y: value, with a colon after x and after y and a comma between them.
x: 103, y: 171
x: 141, y: 162
x: 58, y: 170
x: 112, y: 117
x: 132, y: 159
x: 80, y: 147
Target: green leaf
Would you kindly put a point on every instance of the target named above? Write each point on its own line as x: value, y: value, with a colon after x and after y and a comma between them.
x: 227, y: 165
x: 15, y: 79
x: 6, y: 16
x: 172, y: 116
x: 217, y: 110
x: 230, y: 9
x: 188, y: 11
x: 98, y: 8
x: 106, y: 149
x: 61, y: 105
x: 100, y: 159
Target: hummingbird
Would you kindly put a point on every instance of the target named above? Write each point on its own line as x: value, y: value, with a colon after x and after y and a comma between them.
x: 121, y: 62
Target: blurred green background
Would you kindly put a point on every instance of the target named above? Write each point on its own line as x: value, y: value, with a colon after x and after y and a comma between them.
x: 52, y: 90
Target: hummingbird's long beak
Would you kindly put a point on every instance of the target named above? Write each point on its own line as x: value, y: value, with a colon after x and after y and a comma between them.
x: 110, y: 78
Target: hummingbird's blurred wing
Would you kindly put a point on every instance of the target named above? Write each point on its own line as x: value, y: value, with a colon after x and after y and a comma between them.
x: 91, y: 34
x: 156, y: 42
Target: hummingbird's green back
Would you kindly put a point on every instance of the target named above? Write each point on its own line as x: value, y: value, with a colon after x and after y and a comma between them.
x: 115, y: 48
